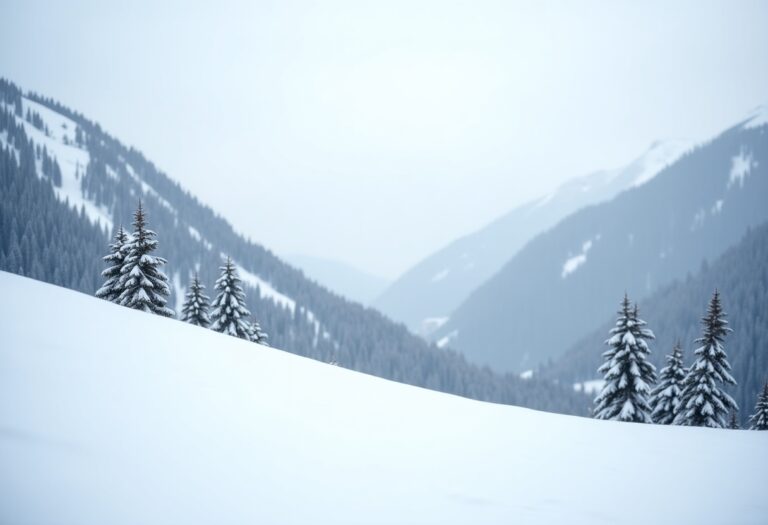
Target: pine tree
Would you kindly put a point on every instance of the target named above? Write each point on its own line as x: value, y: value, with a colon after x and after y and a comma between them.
x: 759, y: 420
x: 665, y: 398
x: 257, y: 335
x: 230, y: 315
x: 733, y: 423
x: 144, y: 286
x: 628, y: 373
x: 111, y: 290
x: 703, y: 403
x: 195, y: 308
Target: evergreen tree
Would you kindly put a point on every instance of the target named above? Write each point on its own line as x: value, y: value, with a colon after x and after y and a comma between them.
x: 628, y: 373
x: 665, y: 398
x: 111, y: 290
x: 195, y: 308
x: 759, y: 420
x: 703, y: 403
x: 257, y: 335
x: 144, y: 286
x: 230, y: 315
x: 733, y: 423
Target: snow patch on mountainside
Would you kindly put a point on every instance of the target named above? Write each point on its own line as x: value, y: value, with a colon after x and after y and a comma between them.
x: 73, y: 161
x: 173, y: 423
x: 439, y: 276
x: 446, y: 340
x: 574, y: 262
x: 741, y: 165
x: 660, y: 155
x: 266, y: 289
x: 593, y: 386
x: 758, y: 117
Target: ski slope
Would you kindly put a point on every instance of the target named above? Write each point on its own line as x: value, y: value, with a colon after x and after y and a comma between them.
x: 109, y: 415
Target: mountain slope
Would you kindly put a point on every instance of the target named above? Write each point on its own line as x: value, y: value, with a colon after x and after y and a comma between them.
x: 557, y: 289
x: 64, y: 183
x: 426, y: 294
x: 741, y: 275
x: 345, y: 280
x: 175, y: 424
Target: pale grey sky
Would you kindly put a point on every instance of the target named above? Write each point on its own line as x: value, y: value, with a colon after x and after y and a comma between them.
x: 375, y: 132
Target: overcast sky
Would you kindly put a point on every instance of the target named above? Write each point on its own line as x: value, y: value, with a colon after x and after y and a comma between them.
x: 375, y: 132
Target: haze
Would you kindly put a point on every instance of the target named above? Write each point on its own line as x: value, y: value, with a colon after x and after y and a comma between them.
x: 374, y: 133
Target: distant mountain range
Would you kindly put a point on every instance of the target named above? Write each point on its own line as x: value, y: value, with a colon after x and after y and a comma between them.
x: 557, y: 289
x: 428, y: 293
x: 339, y: 277
x: 674, y: 314
x: 66, y: 184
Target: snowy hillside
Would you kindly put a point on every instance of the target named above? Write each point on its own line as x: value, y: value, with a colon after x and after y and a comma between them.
x: 139, y: 419
x: 425, y: 295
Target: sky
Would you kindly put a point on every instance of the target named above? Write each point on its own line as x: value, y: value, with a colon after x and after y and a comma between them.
x: 374, y: 133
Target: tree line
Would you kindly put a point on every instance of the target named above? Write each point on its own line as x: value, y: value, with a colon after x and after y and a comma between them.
x: 134, y: 278
x: 692, y: 396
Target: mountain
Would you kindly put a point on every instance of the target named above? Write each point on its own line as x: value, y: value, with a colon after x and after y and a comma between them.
x: 557, y: 289
x: 141, y: 419
x: 425, y: 295
x: 342, y: 278
x: 65, y: 184
x: 674, y: 313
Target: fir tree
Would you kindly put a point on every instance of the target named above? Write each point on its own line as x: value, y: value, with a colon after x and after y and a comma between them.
x: 144, y: 286
x: 703, y: 403
x: 195, y: 308
x: 733, y: 423
x: 759, y: 420
x: 111, y: 290
x: 230, y: 315
x: 665, y: 398
x: 628, y: 373
x: 257, y: 335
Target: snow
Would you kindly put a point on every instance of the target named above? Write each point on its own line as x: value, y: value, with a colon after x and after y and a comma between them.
x: 717, y: 207
x: 266, y: 289
x: 446, y: 340
x: 660, y: 155
x: 528, y: 374
x: 439, y: 276
x: 72, y: 160
x: 572, y: 263
x: 178, y: 424
x: 146, y: 189
x: 593, y: 386
x: 741, y: 165
x: 758, y: 117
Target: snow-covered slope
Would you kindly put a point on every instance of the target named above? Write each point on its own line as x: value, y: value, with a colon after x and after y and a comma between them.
x: 109, y: 415
x: 433, y: 289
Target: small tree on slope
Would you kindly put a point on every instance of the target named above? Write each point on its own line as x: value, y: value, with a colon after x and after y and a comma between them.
x: 229, y: 315
x: 665, y: 398
x: 703, y: 403
x: 144, y: 286
x: 733, y: 423
x: 628, y: 373
x: 759, y: 420
x: 257, y: 335
x: 195, y: 308
x: 110, y: 290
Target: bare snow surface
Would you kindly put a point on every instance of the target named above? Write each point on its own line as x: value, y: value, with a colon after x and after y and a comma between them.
x: 170, y: 423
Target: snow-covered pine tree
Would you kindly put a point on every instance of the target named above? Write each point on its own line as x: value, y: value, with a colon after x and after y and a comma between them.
x: 257, y: 334
x: 144, y: 286
x: 703, y: 403
x: 230, y: 315
x: 665, y: 398
x: 196, y: 303
x: 759, y: 420
x: 628, y: 373
x: 733, y: 422
x: 111, y: 290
